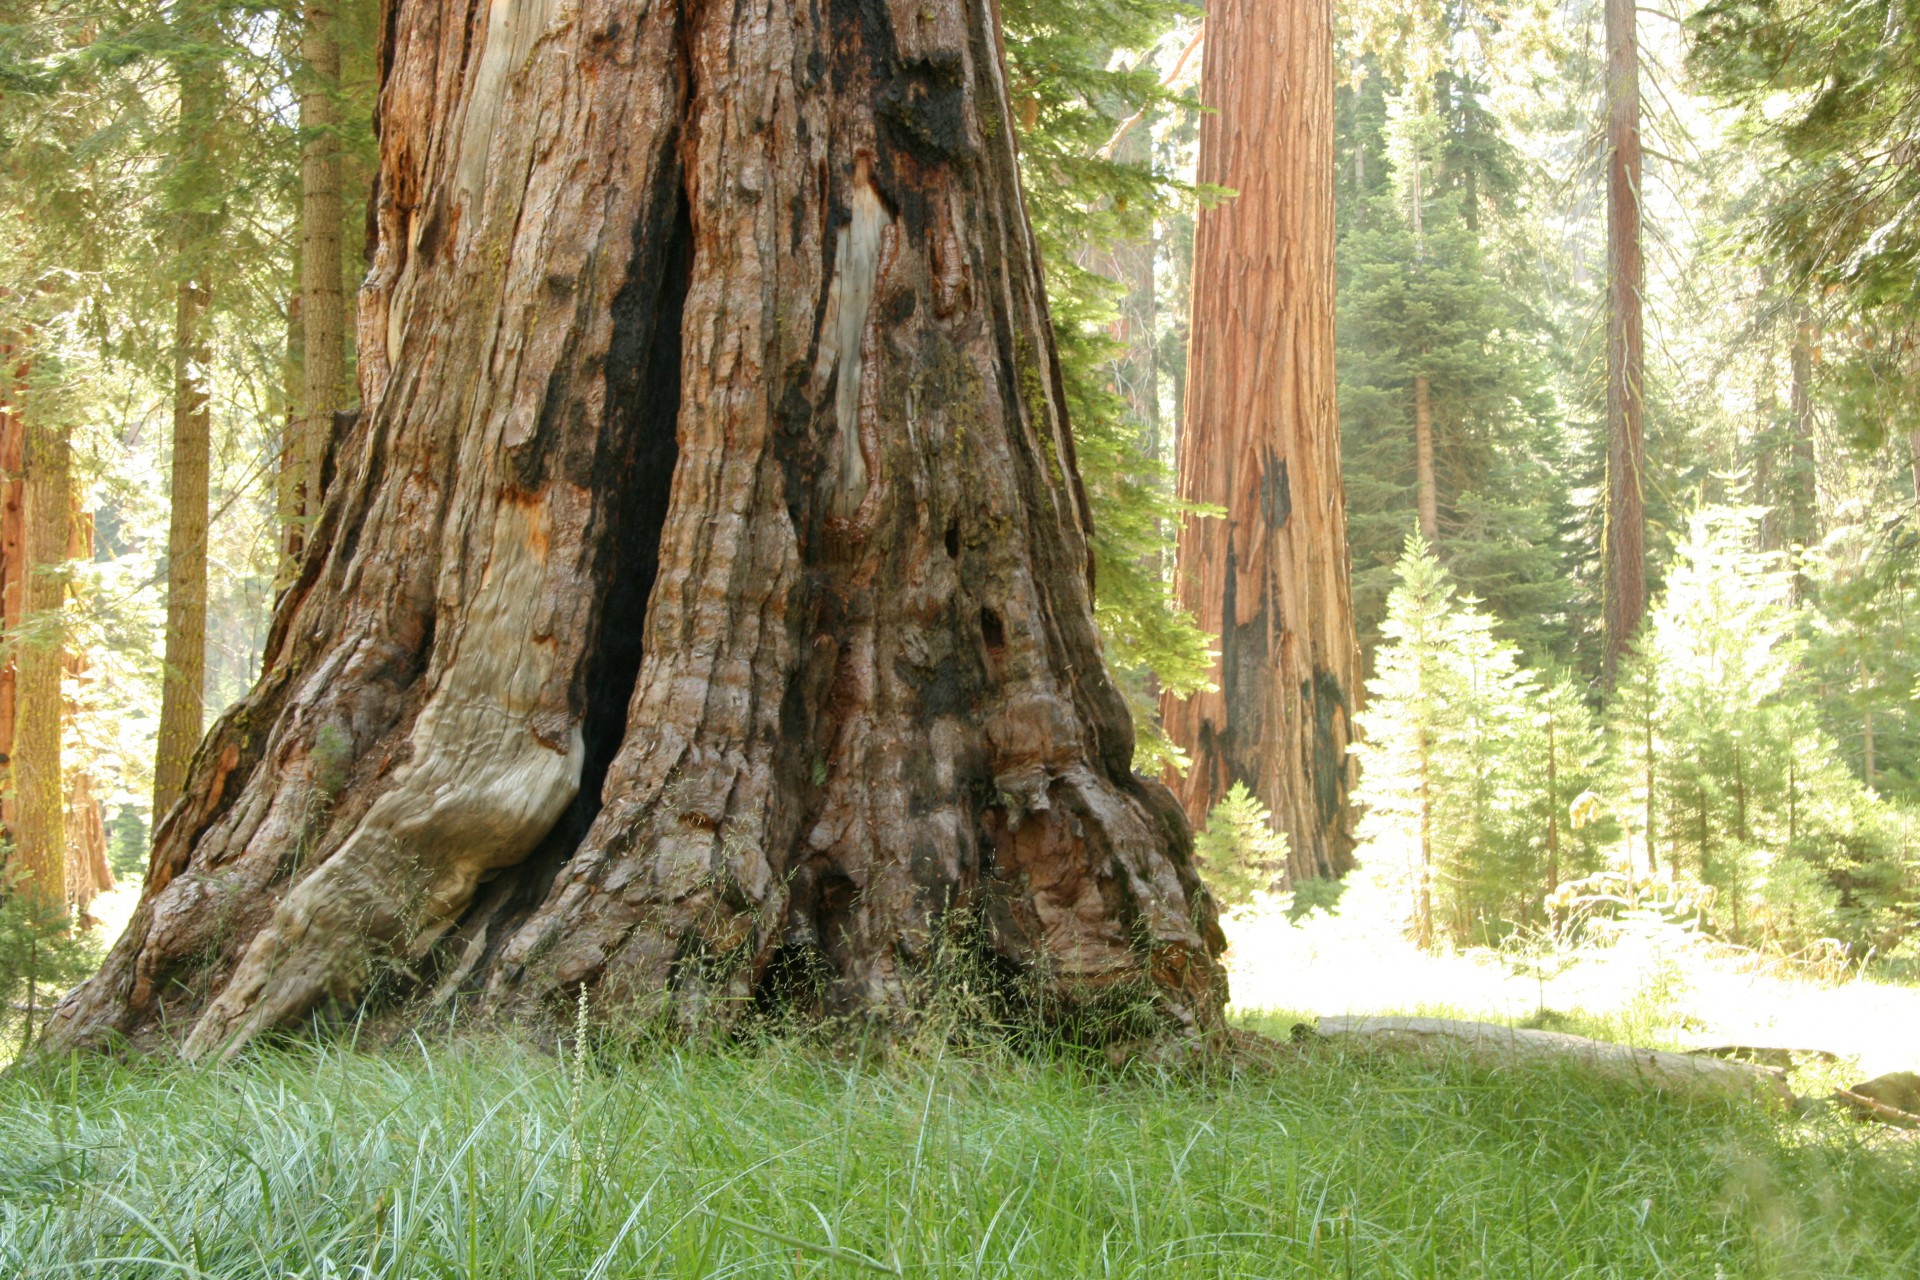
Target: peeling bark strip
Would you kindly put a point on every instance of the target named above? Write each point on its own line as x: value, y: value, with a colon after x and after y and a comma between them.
x: 701, y: 613
x: 1262, y: 439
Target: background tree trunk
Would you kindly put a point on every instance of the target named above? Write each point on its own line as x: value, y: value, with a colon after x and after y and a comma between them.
x: 1626, y: 522
x: 702, y: 614
x: 88, y: 875
x: 322, y: 309
x: 1801, y: 492
x: 1766, y: 443
x: 182, y: 683
x: 13, y: 561
x: 39, y: 828
x: 182, y: 692
x: 1260, y: 437
x: 88, y: 872
x: 1426, y: 488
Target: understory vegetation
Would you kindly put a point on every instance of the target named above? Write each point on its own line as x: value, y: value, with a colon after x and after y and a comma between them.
x: 491, y: 1159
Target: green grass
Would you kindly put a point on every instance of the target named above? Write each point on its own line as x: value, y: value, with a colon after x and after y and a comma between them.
x: 491, y: 1160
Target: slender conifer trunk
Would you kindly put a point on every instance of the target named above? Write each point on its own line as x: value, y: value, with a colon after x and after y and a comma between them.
x: 13, y: 559
x: 322, y: 310
x: 197, y: 80
x: 1426, y: 489
x: 1801, y: 498
x: 1625, y: 604
x: 39, y: 827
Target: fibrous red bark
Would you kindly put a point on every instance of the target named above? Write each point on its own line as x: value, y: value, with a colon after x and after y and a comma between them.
x: 1260, y: 438
x: 701, y: 613
x: 13, y: 560
x: 38, y: 828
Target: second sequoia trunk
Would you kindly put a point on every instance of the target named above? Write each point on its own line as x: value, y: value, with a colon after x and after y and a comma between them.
x: 1261, y: 438
x: 701, y: 613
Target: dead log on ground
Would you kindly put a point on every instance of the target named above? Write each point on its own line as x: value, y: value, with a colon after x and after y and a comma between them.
x: 1489, y: 1044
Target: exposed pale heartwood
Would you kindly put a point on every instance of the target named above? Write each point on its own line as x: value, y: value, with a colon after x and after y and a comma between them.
x: 1260, y: 438
x: 701, y: 614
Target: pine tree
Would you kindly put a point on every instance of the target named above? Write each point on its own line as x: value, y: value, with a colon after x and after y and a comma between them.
x: 1434, y: 311
x: 1470, y: 764
x: 1626, y: 509
x: 1239, y: 852
x: 1755, y: 800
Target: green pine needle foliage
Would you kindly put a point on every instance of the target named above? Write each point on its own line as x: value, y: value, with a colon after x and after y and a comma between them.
x: 41, y: 954
x: 1444, y: 306
x: 1070, y: 96
x: 1471, y: 765
x: 1240, y: 854
x: 1750, y: 795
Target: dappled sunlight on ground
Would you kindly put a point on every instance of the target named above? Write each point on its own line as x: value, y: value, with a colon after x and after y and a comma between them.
x: 1659, y: 985
x: 112, y: 909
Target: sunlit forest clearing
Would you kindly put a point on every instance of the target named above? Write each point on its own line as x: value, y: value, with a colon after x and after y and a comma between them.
x: 976, y: 637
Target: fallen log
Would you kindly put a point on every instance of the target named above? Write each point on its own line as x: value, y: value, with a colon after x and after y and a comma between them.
x: 1873, y: 1109
x: 1493, y: 1045
x: 1765, y: 1055
x: 1892, y: 1099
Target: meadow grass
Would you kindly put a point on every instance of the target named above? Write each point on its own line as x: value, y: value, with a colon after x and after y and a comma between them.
x: 488, y: 1159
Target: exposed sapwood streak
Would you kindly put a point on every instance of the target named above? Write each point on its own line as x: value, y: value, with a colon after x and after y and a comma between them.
x: 845, y: 332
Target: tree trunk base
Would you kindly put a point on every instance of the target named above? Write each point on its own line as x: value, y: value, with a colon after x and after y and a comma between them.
x: 701, y: 617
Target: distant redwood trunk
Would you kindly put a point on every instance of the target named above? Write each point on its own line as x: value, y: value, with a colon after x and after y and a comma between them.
x: 88, y: 873
x: 1261, y: 438
x: 38, y: 784
x: 701, y: 615
x: 60, y: 840
x: 13, y: 563
x: 1626, y: 518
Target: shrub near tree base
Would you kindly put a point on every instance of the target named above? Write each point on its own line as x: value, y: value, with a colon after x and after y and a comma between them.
x: 41, y: 953
x: 1471, y: 766
x: 1240, y: 854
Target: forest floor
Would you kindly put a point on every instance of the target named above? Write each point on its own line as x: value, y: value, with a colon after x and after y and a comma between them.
x: 494, y: 1159
x: 1654, y: 985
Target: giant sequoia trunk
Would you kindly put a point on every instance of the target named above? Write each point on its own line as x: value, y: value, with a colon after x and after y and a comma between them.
x: 700, y: 616
x: 1261, y: 438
